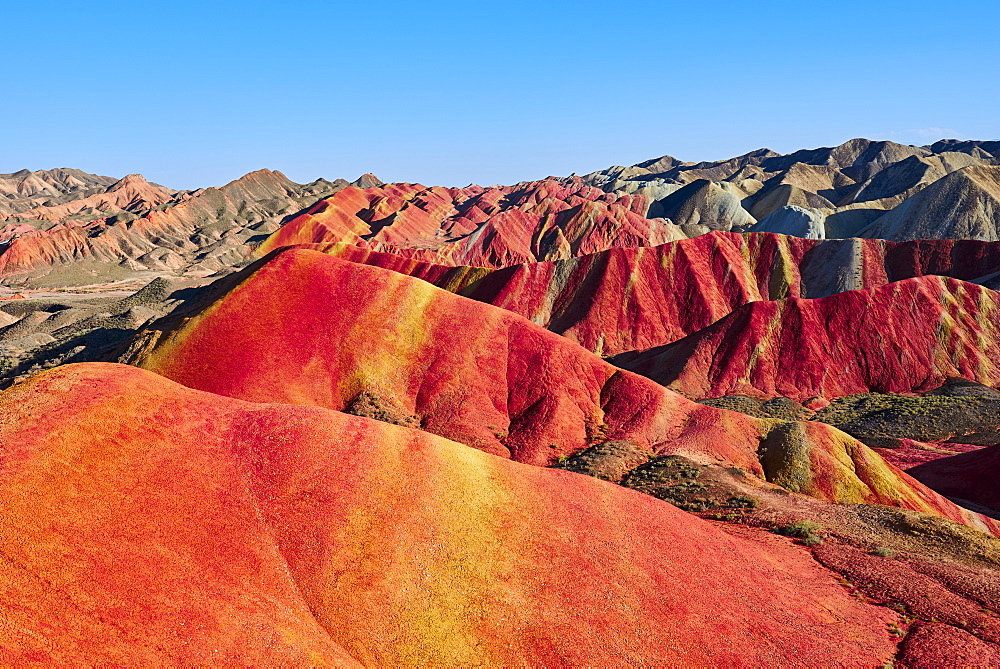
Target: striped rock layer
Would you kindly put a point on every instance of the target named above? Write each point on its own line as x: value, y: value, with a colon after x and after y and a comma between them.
x: 627, y: 299
x: 908, y: 336
x: 492, y: 227
x: 309, y: 329
x: 144, y: 522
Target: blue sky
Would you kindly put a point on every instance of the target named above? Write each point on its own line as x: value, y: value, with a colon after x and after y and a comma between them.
x: 198, y: 93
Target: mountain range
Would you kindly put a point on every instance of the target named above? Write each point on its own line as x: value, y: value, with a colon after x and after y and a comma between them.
x: 129, y: 227
x: 732, y: 413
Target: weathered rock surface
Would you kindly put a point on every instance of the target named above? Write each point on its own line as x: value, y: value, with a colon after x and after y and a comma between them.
x: 703, y: 202
x: 490, y: 227
x: 25, y: 189
x: 157, y: 523
x: 938, y: 645
x: 837, y: 345
x: 132, y: 193
x: 138, y: 229
x: 638, y: 298
x: 962, y: 205
x: 852, y: 185
x: 329, y: 339
x: 309, y: 495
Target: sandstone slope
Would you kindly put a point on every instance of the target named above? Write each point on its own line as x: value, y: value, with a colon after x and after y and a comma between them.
x: 849, y: 186
x: 907, y: 336
x: 371, y: 341
x: 491, y: 227
x: 195, y: 234
x: 132, y: 193
x: 962, y: 205
x: 627, y: 299
x: 25, y: 189
x: 145, y: 522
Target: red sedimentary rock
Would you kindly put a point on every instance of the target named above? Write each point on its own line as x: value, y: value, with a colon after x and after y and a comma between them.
x: 491, y: 227
x: 930, y: 645
x: 907, y: 336
x: 627, y: 299
x: 146, y: 522
x: 485, y: 377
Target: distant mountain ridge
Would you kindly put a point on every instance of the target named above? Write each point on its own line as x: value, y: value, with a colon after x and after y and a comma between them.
x: 849, y: 186
x: 52, y: 220
x: 133, y: 226
x: 23, y: 190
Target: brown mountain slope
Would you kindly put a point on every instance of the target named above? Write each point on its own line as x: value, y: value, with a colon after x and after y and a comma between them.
x: 962, y: 205
x: 132, y: 193
x: 193, y: 234
x: 891, y: 191
x: 852, y: 184
x: 25, y: 189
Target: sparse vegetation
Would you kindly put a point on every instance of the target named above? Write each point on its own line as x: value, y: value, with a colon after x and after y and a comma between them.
x: 691, y: 486
x: 876, y: 417
x: 853, y: 407
x: 610, y: 460
x: 743, y: 502
x: 807, y: 531
x: 597, y: 430
x: 371, y: 405
x: 781, y: 408
x: 882, y: 551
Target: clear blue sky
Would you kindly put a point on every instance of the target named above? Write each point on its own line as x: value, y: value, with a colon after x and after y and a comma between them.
x: 198, y: 93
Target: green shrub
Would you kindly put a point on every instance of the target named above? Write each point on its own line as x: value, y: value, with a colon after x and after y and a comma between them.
x: 743, y: 502
x: 806, y: 530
